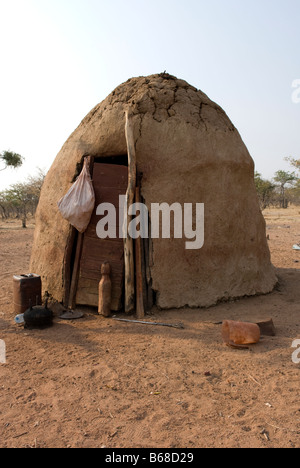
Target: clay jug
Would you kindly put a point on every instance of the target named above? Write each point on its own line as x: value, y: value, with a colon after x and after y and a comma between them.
x: 240, y: 333
x: 105, y: 291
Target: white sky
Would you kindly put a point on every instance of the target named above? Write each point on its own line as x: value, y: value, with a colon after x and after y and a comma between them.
x: 59, y: 58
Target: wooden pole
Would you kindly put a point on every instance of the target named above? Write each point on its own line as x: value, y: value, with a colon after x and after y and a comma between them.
x: 67, y: 273
x: 180, y: 326
x: 75, y: 276
x: 148, y: 255
x: 128, y: 241
x: 76, y: 268
x: 140, y: 312
x: 144, y: 278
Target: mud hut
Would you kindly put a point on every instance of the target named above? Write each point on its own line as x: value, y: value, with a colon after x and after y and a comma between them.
x: 187, y: 152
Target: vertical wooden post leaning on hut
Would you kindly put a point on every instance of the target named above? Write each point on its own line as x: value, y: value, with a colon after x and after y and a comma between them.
x: 74, y: 282
x: 75, y: 273
x: 128, y: 241
x: 140, y: 311
x: 148, y: 255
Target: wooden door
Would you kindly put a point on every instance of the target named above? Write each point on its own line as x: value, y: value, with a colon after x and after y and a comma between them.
x: 110, y: 181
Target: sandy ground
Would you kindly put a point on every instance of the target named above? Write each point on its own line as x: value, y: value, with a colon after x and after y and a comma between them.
x: 101, y: 383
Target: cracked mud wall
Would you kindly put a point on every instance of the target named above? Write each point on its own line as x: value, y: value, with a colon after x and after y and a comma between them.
x: 189, y: 152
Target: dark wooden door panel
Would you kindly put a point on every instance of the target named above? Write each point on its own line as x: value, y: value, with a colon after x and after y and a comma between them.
x: 110, y: 181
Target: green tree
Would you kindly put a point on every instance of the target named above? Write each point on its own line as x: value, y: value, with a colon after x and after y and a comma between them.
x: 265, y: 191
x: 11, y: 159
x: 294, y: 162
x: 284, y: 178
x: 22, y: 199
x: 3, y: 205
x: 293, y: 193
x: 19, y: 197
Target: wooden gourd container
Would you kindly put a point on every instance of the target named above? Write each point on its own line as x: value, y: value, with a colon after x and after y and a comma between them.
x: 105, y: 289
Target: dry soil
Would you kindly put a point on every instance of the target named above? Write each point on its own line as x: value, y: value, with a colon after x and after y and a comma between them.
x: 97, y: 382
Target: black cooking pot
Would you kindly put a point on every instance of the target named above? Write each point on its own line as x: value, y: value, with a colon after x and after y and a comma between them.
x: 38, y: 317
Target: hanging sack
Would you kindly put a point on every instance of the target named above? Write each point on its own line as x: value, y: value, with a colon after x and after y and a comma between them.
x: 78, y: 204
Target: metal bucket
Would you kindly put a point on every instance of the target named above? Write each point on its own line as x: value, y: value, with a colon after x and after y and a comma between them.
x: 27, y: 291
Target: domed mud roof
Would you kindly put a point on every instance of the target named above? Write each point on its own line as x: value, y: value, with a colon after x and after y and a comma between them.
x: 188, y: 152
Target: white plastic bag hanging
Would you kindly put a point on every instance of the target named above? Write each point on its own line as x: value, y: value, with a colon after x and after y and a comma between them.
x: 78, y: 204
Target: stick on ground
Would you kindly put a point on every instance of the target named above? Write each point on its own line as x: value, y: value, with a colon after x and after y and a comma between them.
x: 178, y: 325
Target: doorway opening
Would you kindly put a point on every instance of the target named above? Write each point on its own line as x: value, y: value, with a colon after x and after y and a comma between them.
x: 86, y: 252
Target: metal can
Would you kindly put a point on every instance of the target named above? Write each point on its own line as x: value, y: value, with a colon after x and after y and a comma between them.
x: 27, y: 291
